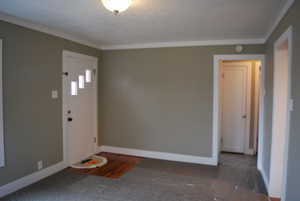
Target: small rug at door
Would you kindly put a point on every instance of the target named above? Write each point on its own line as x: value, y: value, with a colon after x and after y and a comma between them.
x: 91, y: 162
x: 117, y: 166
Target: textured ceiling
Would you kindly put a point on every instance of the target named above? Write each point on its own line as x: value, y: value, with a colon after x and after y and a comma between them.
x: 149, y: 21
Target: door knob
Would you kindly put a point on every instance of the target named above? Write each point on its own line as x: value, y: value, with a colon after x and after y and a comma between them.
x: 244, y: 117
x: 70, y: 119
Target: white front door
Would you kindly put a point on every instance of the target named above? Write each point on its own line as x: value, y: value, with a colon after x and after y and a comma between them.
x: 80, y: 106
x: 235, y: 91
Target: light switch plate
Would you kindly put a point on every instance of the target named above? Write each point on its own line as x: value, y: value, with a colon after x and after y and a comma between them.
x: 54, y: 94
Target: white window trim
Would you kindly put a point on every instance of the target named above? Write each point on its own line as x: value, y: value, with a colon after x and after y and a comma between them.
x: 2, y: 155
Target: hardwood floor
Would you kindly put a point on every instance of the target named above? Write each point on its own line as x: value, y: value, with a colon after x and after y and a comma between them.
x: 275, y: 199
x: 116, y: 167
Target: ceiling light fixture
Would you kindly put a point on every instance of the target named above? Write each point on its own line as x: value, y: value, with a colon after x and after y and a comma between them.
x: 116, y: 6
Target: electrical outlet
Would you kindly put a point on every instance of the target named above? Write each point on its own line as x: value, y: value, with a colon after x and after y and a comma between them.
x: 54, y: 94
x: 40, y: 165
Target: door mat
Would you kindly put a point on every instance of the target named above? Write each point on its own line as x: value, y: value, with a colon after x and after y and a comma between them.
x: 90, y: 163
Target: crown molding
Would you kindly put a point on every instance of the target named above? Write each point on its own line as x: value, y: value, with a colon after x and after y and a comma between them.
x: 38, y: 27
x: 279, y: 17
x: 184, y: 44
x: 71, y: 37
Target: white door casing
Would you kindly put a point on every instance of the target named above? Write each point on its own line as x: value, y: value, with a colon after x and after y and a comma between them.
x: 217, y: 61
x: 282, y: 107
x: 2, y: 155
x: 79, y: 111
x: 235, y: 106
x: 256, y: 105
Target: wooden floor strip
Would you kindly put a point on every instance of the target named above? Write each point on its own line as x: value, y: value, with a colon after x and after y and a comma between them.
x: 117, y: 166
x: 275, y: 199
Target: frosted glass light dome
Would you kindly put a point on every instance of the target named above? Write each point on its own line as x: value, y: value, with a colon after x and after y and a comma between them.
x: 116, y: 6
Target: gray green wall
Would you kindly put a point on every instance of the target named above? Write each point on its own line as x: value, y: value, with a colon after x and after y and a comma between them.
x: 292, y: 18
x: 32, y: 66
x: 152, y: 99
x: 161, y: 99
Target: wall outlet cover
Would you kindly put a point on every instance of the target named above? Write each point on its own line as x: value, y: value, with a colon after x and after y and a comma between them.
x: 40, y: 165
x: 54, y: 94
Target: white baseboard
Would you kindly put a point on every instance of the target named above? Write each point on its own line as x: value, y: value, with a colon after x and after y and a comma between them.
x: 30, y: 179
x: 264, y: 176
x: 160, y: 155
x: 99, y: 149
x: 249, y: 152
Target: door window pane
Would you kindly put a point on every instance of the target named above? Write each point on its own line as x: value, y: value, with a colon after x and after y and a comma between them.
x: 74, y: 90
x: 88, y: 76
x: 81, y: 82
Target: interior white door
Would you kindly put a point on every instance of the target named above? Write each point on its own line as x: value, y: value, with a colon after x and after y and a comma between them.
x: 235, y: 87
x: 80, y: 107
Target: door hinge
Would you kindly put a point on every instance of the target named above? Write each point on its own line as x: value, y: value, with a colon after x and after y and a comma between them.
x: 223, y: 75
x: 94, y: 71
x: 95, y: 140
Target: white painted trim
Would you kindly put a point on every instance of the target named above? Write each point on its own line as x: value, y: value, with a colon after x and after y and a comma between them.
x: 100, y: 149
x: 66, y: 54
x: 287, y: 35
x: 160, y: 155
x: 264, y: 176
x: 261, y: 124
x: 30, y: 179
x: 279, y: 17
x: 2, y: 151
x: 42, y: 28
x: 216, y: 107
x: 286, y: 154
x: 184, y: 44
x: 249, y: 151
x: 257, y: 105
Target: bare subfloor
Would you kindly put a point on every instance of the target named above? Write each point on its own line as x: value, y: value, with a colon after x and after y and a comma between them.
x: 236, y: 179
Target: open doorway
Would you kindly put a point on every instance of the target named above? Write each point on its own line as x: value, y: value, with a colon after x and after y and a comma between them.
x: 282, y: 106
x: 244, y: 117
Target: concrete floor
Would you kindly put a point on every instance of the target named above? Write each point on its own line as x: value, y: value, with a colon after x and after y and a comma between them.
x: 236, y: 179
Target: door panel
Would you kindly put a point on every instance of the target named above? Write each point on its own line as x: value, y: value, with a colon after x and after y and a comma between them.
x: 234, y: 106
x: 80, y: 111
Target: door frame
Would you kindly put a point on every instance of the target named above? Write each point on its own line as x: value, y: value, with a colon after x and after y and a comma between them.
x: 246, y: 137
x: 66, y: 54
x: 2, y: 150
x: 256, y: 109
x: 216, y: 102
x: 286, y: 36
